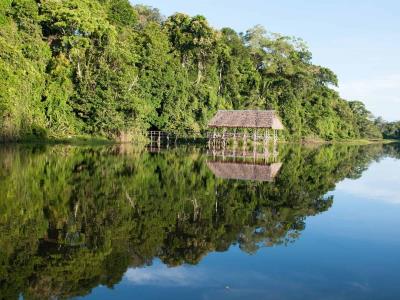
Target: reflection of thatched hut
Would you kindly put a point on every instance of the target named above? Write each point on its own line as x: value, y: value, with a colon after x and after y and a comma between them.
x: 243, y: 171
x: 255, y: 119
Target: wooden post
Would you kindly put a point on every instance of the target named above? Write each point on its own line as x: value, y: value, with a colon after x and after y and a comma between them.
x: 234, y: 153
x: 167, y: 140
x: 151, y: 139
x: 244, y: 142
x: 266, y: 146
x: 214, y: 152
x: 214, y: 136
x: 266, y: 137
x: 224, y: 138
x: 265, y: 154
x: 234, y: 138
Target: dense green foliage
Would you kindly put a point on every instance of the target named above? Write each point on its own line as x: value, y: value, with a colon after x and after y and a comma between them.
x: 102, y: 67
x: 390, y: 130
x: 73, y: 218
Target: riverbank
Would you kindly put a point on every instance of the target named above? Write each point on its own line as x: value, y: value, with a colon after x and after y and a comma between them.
x: 355, y: 141
x: 96, y: 140
x: 75, y: 140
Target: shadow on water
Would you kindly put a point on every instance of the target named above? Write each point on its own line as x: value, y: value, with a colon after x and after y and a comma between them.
x: 72, y: 218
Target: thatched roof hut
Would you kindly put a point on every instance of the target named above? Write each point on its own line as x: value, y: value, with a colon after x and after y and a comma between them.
x: 267, y: 119
x: 245, y: 171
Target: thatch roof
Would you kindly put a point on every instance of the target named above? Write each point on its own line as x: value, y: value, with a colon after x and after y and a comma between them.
x: 243, y: 171
x: 246, y: 119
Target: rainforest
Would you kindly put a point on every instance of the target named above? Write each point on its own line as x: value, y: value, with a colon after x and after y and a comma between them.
x: 113, y: 69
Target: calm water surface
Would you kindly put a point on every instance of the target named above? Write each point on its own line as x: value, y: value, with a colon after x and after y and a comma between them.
x: 125, y: 223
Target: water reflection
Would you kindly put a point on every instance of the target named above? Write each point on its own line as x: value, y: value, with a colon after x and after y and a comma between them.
x: 244, y: 171
x: 73, y: 218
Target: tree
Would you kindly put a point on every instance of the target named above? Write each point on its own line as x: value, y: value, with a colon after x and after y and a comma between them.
x: 106, y: 68
x: 363, y: 119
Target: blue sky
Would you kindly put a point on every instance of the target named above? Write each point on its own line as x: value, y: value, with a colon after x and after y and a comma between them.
x: 357, y: 39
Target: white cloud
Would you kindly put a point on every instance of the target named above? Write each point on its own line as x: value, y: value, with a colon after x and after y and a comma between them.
x: 379, y: 183
x: 381, y: 95
x: 374, y: 192
x: 162, y: 275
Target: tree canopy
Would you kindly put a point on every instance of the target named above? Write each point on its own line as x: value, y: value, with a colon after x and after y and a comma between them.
x: 107, y: 68
x: 390, y: 130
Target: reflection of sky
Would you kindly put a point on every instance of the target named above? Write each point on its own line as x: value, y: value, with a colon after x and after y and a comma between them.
x: 376, y: 184
x: 351, y: 251
x: 161, y: 275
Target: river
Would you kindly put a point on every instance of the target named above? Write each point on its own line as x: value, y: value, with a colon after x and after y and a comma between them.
x: 122, y: 222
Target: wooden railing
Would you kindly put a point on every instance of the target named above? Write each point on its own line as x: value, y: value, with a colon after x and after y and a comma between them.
x: 159, y: 138
x: 165, y: 138
x: 239, y: 135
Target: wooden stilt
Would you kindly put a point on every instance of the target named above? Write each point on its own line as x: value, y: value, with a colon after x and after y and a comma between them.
x: 265, y: 136
x: 234, y: 138
x: 214, y: 137
x: 254, y: 145
x: 254, y: 154
x: 224, y: 138
x: 234, y: 144
x: 275, y: 150
x: 244, y: 142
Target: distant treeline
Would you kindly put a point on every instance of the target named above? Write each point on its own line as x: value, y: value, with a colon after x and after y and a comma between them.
x: 106, y: 68
x: 390, y: 130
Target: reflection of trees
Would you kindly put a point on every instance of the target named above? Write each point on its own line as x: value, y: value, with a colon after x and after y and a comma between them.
x: 73, y: 218
x: 392, y: 150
